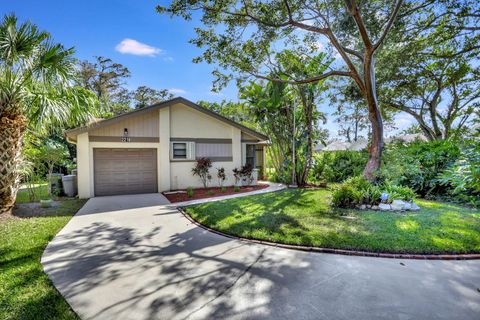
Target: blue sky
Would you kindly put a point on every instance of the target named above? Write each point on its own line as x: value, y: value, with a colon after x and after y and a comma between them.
x: 96, y: 28
x: 153, y: 47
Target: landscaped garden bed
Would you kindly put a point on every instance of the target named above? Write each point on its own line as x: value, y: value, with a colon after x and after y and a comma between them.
x: 305, y: 217
x: 203, y: 193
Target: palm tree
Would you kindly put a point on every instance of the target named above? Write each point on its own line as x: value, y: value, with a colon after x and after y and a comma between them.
x: 36, y: 92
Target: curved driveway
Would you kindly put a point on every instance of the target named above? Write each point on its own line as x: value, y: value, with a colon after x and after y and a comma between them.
x: 133, y: 257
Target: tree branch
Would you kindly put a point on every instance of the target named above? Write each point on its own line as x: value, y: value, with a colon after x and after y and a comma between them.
x: 389, y: 25
x: 304, y: 81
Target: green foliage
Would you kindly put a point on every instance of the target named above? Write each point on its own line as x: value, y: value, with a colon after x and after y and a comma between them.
x: 463, y: 176
x: 337, y: 166
x: 357, y: 191
x: 243, y: 174
x: 36, y: 78
x: 418, y: 165
x: 223, y: 189
x: 396, y: 192
x: 236, y: 188
x: 201, y: 169
x: 210, y: 192
x: 190, y: 192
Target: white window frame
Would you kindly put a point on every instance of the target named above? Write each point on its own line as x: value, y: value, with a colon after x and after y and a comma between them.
x: 190, y: 151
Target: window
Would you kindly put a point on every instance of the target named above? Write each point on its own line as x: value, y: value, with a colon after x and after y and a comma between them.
x: 214, y: 151
x: 179, y: 150
x: 250, y: 155
x: 182, y: 150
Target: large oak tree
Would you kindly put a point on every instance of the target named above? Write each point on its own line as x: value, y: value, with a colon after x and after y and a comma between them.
x: 243, y: 36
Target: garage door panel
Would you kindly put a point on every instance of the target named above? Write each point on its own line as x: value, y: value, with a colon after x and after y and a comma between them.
x: 125, y: 171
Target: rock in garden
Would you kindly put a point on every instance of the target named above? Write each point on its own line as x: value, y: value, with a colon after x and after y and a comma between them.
x: 363, y: 207
x: 415, y: 207
x: 375, y: 208
x: 407, y: 206
x: 384, y: 206
x: 398, y: 205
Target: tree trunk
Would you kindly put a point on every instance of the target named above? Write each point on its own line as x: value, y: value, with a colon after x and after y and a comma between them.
x: 375, y: 117
x: 12, y: 128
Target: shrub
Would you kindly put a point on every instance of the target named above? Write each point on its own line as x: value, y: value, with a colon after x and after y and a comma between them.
x: 357, y: 191
x: 236, y: 189
x: 243, y: 174
x: 190, y: 192
x: 223, y: 189
x: 221, y: 176
x: 337, y: 166
x: 418, y: 165
x: 201, y: 169
x: 350, y: 193
x: 463, y: 177
x: 396, y: 192
x: 210, y: 192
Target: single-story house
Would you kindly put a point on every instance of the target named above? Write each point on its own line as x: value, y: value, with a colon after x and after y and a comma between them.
x: 154, y: 149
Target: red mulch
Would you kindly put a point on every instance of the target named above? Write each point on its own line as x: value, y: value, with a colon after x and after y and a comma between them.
x: 202, y: 193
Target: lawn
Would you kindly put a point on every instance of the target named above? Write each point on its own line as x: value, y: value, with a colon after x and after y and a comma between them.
x: 40, y: 190
x: 304, y: 217
x: 25, y: 290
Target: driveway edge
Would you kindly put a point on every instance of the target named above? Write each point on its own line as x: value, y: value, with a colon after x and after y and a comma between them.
x: 473, y: 256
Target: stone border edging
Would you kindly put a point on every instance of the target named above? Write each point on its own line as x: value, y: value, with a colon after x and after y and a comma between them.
x: 473, y: 256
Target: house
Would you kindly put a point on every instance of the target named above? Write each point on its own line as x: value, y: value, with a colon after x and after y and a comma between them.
x: 153, y: 149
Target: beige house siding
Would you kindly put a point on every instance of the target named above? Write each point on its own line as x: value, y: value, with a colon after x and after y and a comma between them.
x: 143, y: 125
x: 186, y: 122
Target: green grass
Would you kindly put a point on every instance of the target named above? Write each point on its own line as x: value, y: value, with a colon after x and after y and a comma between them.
x: 25, y: 290
x: 304, y: 217
x: 40, y: 190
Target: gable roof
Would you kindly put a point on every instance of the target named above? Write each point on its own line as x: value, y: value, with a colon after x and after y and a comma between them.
x: 160, y: 105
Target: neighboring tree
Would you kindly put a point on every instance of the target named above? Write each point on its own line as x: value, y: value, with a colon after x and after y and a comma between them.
x: 440, y: 95
x: 37, y: 92
x: 107, y: 79
x: 145, y: 96
x: 433, y: 75
x: 51, y: 153
x: 104, y: 77
x: 252, y: 29
x: 351, y: 114
x: 236, y: 111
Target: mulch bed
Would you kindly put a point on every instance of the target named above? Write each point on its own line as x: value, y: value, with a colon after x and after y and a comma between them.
x: 201, y: 193
x: 33, y: 209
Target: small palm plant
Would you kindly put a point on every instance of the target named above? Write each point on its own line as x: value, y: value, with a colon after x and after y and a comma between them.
x: 37, y: 92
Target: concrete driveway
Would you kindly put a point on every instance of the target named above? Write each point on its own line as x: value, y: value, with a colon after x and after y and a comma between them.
x: 133, y: 257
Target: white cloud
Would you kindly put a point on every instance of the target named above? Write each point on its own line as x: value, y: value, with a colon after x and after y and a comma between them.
x: 131, y: 46
x: 403, y: 121
x: 177, y: 91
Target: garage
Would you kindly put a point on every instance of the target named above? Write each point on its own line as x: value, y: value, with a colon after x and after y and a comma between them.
x: 124, y: 171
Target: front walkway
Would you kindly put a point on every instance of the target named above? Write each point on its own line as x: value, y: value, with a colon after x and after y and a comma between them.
x: 136, y: 257
x: 272, y: 187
